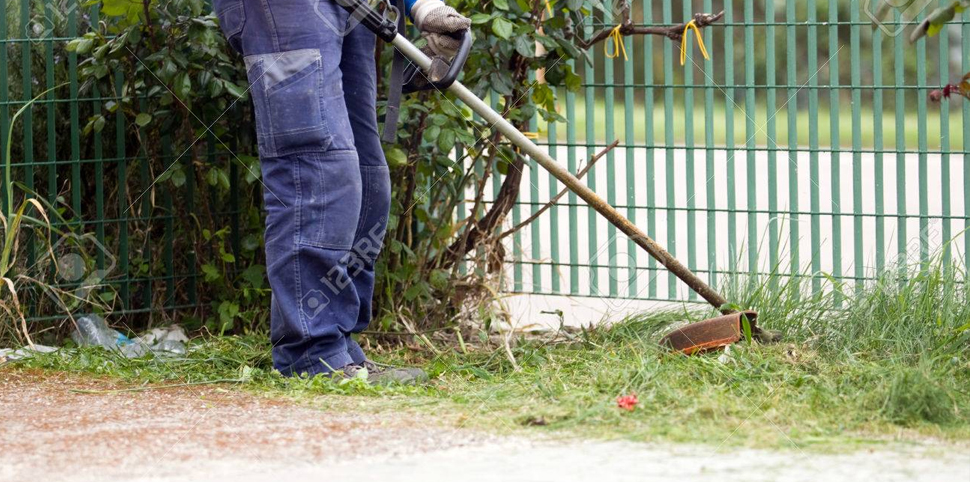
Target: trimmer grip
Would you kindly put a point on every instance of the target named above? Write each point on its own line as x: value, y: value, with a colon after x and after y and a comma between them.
x: 446, y: 79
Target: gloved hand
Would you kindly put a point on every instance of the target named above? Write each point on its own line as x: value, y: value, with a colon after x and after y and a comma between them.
x: 439, y: 25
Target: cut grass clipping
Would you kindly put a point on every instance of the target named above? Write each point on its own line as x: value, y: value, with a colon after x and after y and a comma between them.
x: 886, y: 360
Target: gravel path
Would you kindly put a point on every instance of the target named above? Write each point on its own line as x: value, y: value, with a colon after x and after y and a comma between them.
x: 48, y: 432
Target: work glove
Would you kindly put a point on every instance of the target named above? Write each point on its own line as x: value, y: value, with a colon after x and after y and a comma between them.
x: 439, y: 25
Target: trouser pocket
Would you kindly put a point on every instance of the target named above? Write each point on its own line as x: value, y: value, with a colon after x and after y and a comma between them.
x: 287, y: 92
x: 232, y: 19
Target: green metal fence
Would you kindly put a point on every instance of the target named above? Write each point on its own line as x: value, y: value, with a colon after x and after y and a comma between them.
x: 100, y: 192
x: 805, y: 144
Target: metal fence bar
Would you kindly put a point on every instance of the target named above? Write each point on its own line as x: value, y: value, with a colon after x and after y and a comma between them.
x: 729, y: 105
x: 4, y: 98
x: 648, y: 127
x: 791, y: 62
x: 98, y: 166
x: 965, y: 51
x: 751, y: 133
x: 591, y: 215
x: 856, y: 72
x: 28, y: 117
x: 944, y: 78
x: 554, y: 253
x: 771, y: 111
x: 631, y: 185
x: 51, y: 111
x: 899, y: 61
x: 689, y: 177
x: 709, y: 166
x: 72, y: 31
x: 534, y: 228
x: 608, y: 108
x: 877, y: 142
x: 924, y: 220
x: 573, y: 209
x: 835, y: 159
x: 669, y: 150
x: 813, y: 143
x: 124, y: 288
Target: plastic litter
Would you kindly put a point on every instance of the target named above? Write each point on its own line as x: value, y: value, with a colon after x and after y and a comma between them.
x: 11, y: 354
x: 92, y: 330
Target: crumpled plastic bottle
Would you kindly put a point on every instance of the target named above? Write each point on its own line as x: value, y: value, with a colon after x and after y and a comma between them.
x: 92, y: 330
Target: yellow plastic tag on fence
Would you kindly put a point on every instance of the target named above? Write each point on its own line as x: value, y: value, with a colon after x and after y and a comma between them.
x: 617, y: 38
x: 683, y: 41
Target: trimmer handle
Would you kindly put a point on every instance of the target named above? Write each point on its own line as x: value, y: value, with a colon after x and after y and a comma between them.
x: 435, y: 78
x: 375, y: 21
x: 441, y: 74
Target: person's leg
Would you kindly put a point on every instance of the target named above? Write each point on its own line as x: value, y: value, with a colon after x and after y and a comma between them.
x: 312, y: 181
x: 360, y: 92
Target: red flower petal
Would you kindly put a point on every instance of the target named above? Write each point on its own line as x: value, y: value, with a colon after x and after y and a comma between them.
x: 627, y: 402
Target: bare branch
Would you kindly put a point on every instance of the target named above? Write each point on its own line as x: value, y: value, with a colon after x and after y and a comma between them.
x: 552, y: 202
x: 673, y: 32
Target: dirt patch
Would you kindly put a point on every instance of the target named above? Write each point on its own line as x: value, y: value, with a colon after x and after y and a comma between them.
x: 68, y: 434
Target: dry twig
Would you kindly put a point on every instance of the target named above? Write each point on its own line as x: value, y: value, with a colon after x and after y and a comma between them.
x: 552, y: 202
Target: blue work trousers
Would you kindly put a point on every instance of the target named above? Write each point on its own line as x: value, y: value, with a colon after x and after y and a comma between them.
x: 327, y: 190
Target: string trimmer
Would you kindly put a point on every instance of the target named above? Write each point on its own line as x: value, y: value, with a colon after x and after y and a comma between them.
x: 440, y: 75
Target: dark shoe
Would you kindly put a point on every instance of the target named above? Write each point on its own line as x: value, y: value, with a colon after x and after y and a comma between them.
x: 346, y: 371
x: 380, y: 374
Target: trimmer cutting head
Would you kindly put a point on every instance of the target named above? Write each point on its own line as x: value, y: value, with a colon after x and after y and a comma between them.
x: 710, y: 334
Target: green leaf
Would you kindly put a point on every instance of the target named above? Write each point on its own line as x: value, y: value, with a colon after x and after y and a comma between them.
x: 178, y: 177
x: 480, y: 18
x: 250, y: 242
x: 143, y: 119
x: 99, y: 123
x: 212, y: 178
x: 746, y: 327
x: 502, y: 28
x: 501, y: 4
x: 446, y: 141
x: 115, y: 8
x: 211, y: 273
x: 183, y: 87
x: 82, y: 45
x: 396, y: 157
x: 569, y: 48
x: 431, y: 133
x: 573, y: 82
x: 525, y: 46
x: 439, y: 279
x: 255, y: 275
x: 235, y: 90
x: 415, y: 291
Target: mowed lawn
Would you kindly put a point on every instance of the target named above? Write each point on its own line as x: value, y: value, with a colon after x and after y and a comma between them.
x: 936, y: 135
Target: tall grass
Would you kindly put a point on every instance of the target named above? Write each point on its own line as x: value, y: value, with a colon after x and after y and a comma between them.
x: 909, y: 312
x: 16, y: 220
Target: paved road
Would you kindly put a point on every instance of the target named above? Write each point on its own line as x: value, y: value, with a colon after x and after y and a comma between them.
x: 199, y: 434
